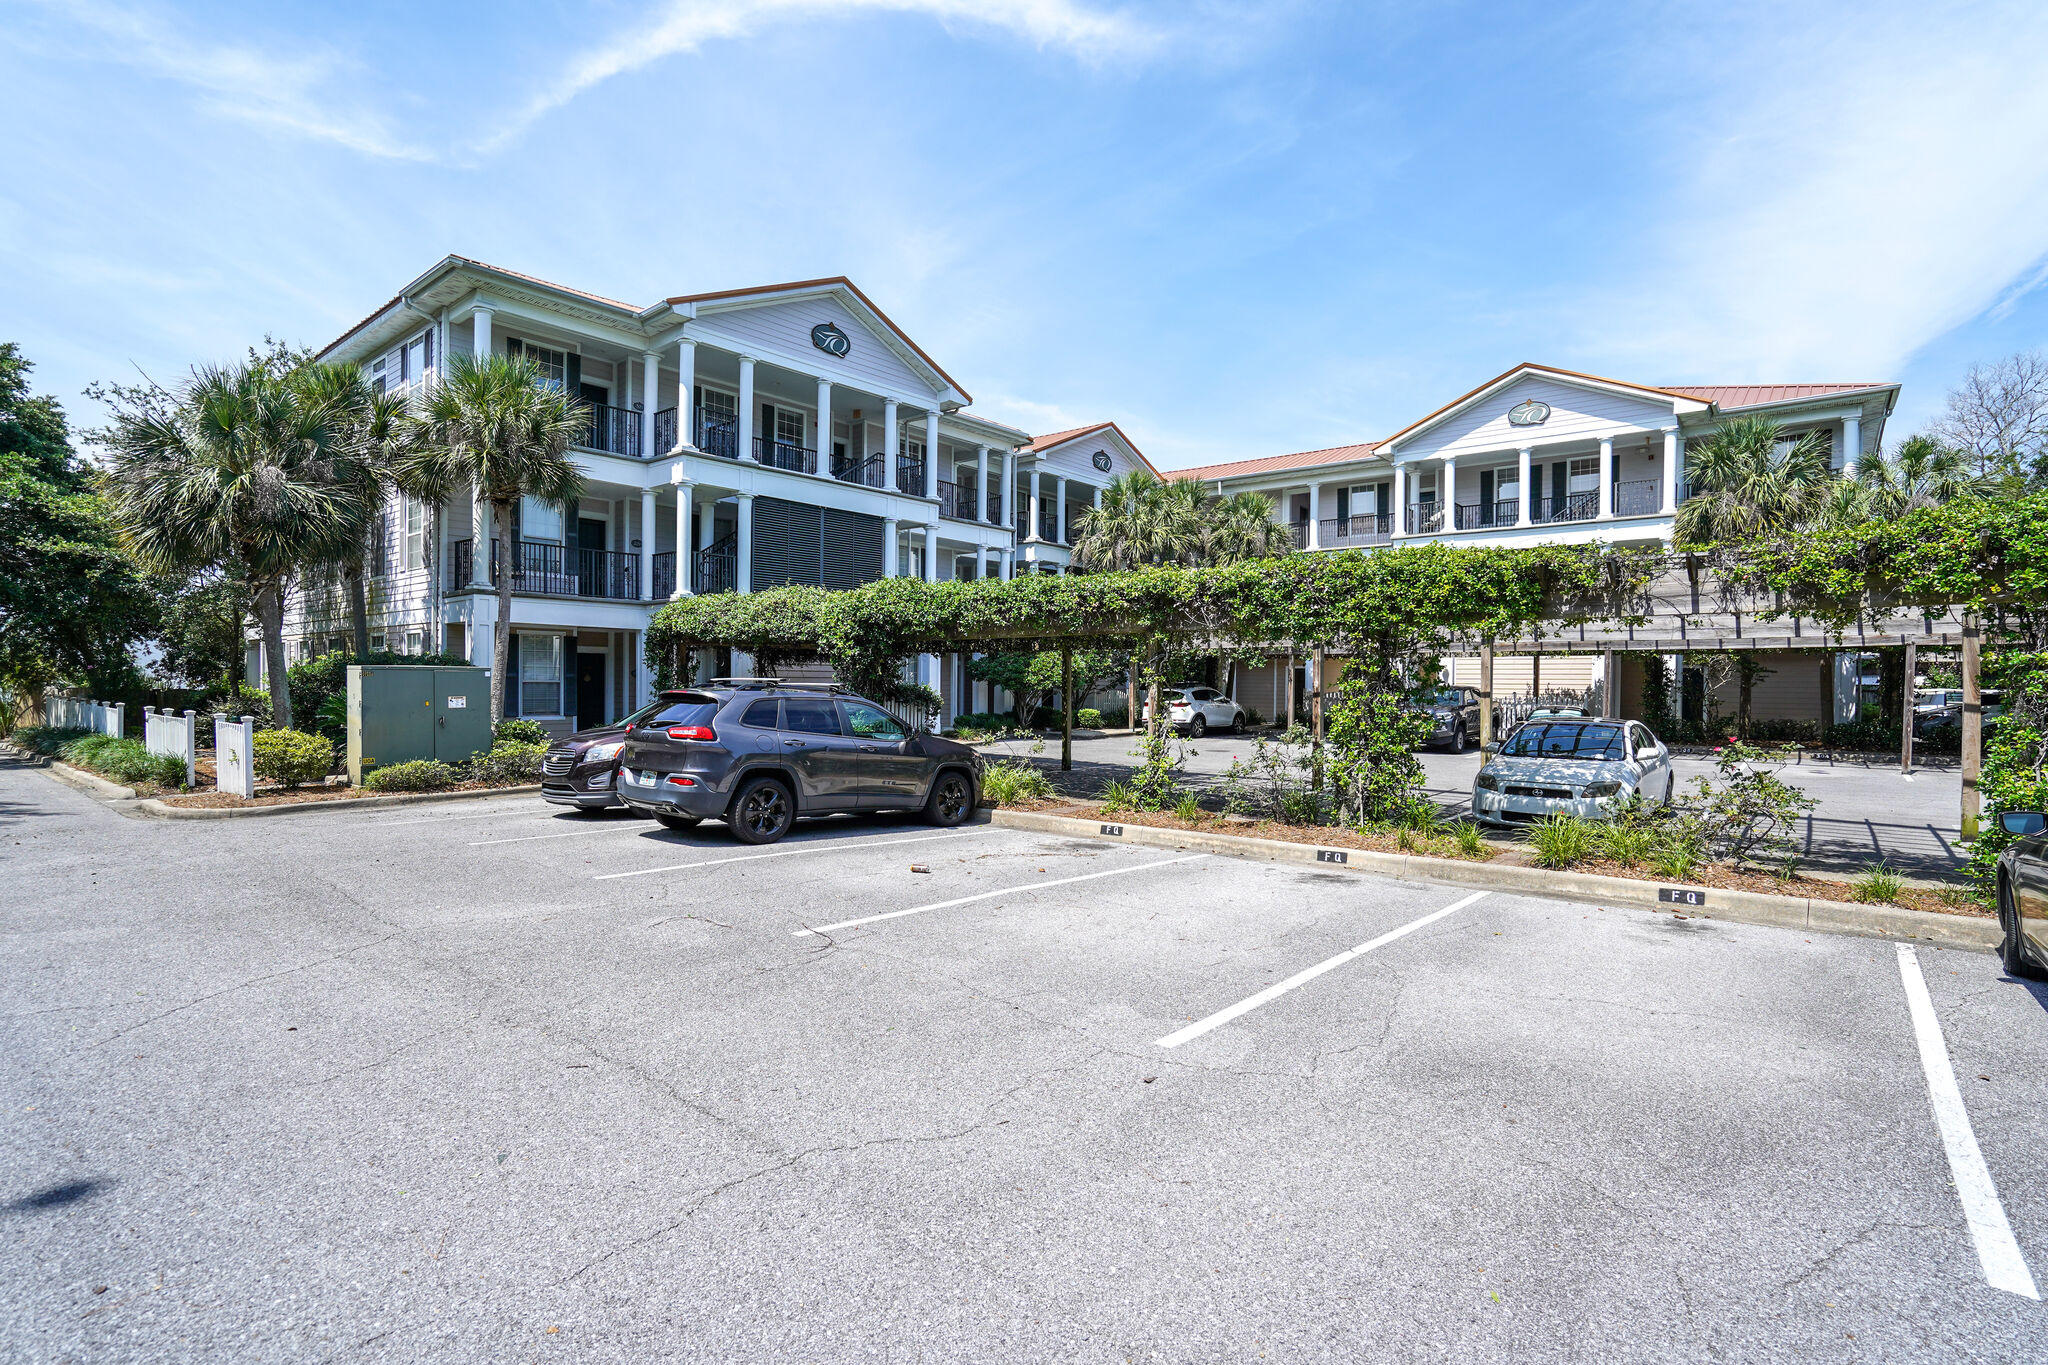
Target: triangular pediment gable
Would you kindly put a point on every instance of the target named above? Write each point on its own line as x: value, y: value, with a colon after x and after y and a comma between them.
x: 1536, y: 404
x: 1081, y: 453
x: 781, y: 323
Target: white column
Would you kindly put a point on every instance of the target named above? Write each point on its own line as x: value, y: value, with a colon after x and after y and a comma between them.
x: 643, y: 672
x: 480, y: 339
x: 647, y: 545
x: 931, y: 553
x: 1059, y: 508
x: 746, y: 451
x: 931, y: 453
x: 1315, y: 516
x: 479, y: 539
x: 981, y: 483
x: 892, y: 444
x: 1400, y: 500
x: 1522, y: 514
x: 1009, y: 478
x: 1031, y: 527
x: 824, y: 426
x: 1447, y: 494
x: 683, y: 537
x: 743, y: 542
x: 928, y: 664
x: 1852, y: 445
x: 686, y: 402
x: 889, y: 547
x: 650, y: 399
x: 1607, y: 478
x: 1673, y: 454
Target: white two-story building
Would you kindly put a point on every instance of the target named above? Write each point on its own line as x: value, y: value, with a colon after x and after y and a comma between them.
x: 741, y: 439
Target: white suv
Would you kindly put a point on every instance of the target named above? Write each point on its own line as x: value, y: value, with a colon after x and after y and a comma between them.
x: 1198, y: 710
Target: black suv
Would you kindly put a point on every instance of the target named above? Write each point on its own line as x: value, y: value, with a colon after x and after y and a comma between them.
x: 759, y: 754
x: 1452, y: 713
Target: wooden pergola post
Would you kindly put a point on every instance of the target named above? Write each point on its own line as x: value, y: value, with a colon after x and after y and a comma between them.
x: 1906, y: 710
x: 1066, y: 708
x: 1315, y: 712
x: 1536, y: 674
x: 1973, y: 727
x: 1485, y: 693
x: 1610, y: 686
x: 1287, y: 721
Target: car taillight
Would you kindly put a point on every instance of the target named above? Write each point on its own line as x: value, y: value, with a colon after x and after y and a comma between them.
x: 691, y: 732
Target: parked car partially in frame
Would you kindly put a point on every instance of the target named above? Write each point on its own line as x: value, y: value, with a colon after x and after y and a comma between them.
x: 582, y: 770
x: 1198, y: 710
x: 1560, y: 766
x: 2023, y: 894
x: 1452, y: 713
x: 760, y: 755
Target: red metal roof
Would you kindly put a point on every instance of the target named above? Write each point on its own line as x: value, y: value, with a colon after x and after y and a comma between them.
x: 1301, y: 459
x: 1054, y: 438
x: 1727, y: 396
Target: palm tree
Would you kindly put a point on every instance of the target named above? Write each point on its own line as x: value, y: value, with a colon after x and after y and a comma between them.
x: 373, y: 436
x: 1744, y: 485
x: 1126, y: 530
x: 1241, y: 527
x: 1919, y: 472
x: 494, y: 425
x: 240, y: 472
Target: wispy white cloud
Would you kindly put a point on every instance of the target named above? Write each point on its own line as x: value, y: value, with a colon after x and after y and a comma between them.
x: 1845, y: 196
x: 1089, y: 33
x: 299, y: 91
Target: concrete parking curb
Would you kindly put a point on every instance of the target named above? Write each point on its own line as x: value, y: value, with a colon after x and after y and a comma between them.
x: 164, y: 810
x: 1697, y: 902
x: 90, y: 782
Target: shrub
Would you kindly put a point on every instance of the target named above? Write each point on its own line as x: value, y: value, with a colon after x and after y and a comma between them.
x: 1252, y: 717
x: 292, y: 757
x: 1625, y: 843
x: 1187, y: 808
x: 1746, y: 813
x: 1088, y: 718
x: 417, y: 775
x: 244, y: 700
x: 1471, y: 843
x: 1301, y: 806
x: 45, y: 740
x: 977, y: 727
x: 1012, y: 783
x: 1878, y: 885
x: 1114, y: 716
x: 1675, y: 859
x: 508, y: 764
x: 1118, y: 796
x: 125, y: 760
x: 1562, y: 840
x: 521, y: 732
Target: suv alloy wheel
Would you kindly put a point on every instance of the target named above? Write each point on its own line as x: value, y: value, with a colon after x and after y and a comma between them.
x: 762, y: 812
x: 952, y: 800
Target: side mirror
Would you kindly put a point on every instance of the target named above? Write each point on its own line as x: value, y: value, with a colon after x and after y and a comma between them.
x: 2024, y: 823
x: 1490, y: 748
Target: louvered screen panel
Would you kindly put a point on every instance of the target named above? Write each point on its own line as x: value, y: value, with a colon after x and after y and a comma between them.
x: 786, y: 543
x: 852, y: 544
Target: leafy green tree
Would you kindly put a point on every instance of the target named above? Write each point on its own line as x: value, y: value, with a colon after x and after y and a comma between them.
x: 72, y: 602
x: 494, y: 425
x: 1033, y: 679
x: 1743, y: 486
x: 1919, y: 472
x: 199, y: 629
x: 373, y: 435
x: 239, y: 471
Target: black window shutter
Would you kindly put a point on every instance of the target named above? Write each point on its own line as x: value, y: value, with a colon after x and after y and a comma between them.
x: 575, y: 373
x: 430, y: 348
x: 1485, y: 487
x: 850, y: 549
x: 1343, y: 504
x: 1560, y: 477
x: 511, y: 673
x: 513, y: 346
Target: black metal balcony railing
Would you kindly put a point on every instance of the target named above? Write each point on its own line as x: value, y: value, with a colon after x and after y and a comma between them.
x: 715, y: 434
x: 557, y: 570
x: 1467, y: 516
x: 1638, y: 498
x: 784, y: 455
x: 611, y: 429
x: 1365, y: 528
x: 664, y: 432
x: 866, y: 471
x: 1020, y: 521
x: 1424, y: 518
x: 1583, y: 505
x: 665, y: 574
x: 1048, y: 522
x: 956, y: 501
x: 718, y: 566
x: 909, y: 475
x: 1297, y: 531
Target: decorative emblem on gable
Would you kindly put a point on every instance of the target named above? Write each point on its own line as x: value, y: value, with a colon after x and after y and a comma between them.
x: 1102, y: 460
x: 1528, y: 413
x: 830, y: 339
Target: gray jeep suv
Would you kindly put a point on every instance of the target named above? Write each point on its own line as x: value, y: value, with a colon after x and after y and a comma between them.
x: 758, y: 754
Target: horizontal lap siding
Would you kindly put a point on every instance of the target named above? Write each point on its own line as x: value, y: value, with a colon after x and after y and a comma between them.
x: 1574, y: 413
x: 871, y: 364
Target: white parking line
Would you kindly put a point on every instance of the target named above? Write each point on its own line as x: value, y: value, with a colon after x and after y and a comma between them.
x: 813, y: 846
x: 1997, y: 1251
x: 497, y: 813
x: 614, y: 827
x: 990, y: 895
x: 1278, y: 989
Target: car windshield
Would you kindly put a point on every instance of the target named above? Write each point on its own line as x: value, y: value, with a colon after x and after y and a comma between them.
x: 1572, y: 740
x: 1442, y: 696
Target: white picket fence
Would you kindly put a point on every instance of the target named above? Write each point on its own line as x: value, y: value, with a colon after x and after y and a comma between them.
x: 167, y: 732
x: 76, y: 713
x: 234, y: 766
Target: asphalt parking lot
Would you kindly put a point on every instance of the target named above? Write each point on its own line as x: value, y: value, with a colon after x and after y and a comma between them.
x: 483, y: 1081
x: 1868, y: 811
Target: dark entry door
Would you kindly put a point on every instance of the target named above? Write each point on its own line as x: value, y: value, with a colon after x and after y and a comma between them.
x: 589, y: 690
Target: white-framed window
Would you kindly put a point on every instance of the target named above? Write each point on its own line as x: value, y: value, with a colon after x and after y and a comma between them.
x: 377, y: 640
x: 912, y: 450
x: 789, y: 427
x: 540, y: 675
x: 415, y: 533
x: 1584, y: 475
x: 413, y: 642
x: 718, y: 406
x: 1782, y: 447
x: 540, y: 521
x: 553, y: 365
x: 415, y: 358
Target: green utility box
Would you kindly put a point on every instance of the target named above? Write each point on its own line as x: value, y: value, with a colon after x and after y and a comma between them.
x: 398, y: 712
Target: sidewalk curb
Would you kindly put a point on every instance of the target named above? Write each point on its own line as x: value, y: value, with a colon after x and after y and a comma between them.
x: 161, y: 810
x: 1744, y: 907
x: 92, y: 784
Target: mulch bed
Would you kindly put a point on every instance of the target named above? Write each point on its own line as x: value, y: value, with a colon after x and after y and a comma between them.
x: 1714, y: 877
x: 278, y: 796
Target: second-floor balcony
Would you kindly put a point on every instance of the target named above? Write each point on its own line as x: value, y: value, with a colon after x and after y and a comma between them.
x: 554, y: 570
x: 865, y: 471
x: 616, y: 431
x: 910, y: 474
x: 958, y: 501
x: 1365, y: 528
x: 785, y: 455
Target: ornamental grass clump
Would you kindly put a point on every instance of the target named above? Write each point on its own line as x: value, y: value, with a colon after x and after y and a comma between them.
x: 1626, y: 844
x: 124, y: 760
x: 1878, y: 885
x: 1188, y: 808
x: 1675, y: 859
x: 1013, y: 782
x: 1562, y: 841
x: 1471, y: 843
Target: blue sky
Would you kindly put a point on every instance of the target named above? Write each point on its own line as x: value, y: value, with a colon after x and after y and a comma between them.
x: 1237, y: 229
